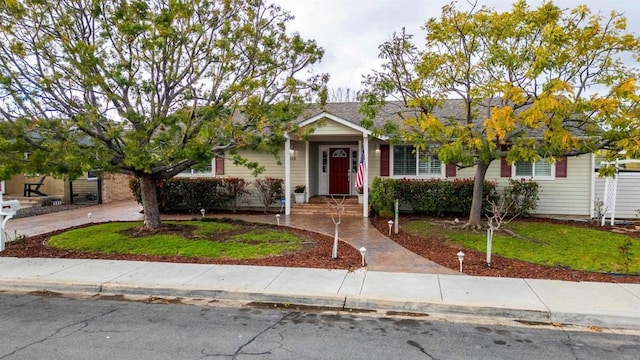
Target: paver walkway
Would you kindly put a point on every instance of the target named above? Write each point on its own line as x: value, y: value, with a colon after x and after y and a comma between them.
x: 382, y: 254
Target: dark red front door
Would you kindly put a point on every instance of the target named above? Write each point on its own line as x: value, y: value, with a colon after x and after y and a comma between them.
x: 339, y: 170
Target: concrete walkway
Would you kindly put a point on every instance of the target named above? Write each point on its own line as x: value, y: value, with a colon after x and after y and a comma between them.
x: 580, y: 303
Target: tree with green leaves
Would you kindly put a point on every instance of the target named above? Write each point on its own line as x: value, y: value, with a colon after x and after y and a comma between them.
x: 534, y: 84
x: 147, y: 88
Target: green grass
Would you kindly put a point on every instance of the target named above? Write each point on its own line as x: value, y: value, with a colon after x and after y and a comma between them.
x: 209, y: 240
x: 548, y: 244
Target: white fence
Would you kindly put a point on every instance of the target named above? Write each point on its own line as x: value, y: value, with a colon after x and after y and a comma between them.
x: 627, y: 195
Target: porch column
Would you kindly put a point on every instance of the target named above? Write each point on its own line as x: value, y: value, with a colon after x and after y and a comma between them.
x: 306, y: 171
x: 287, y: 175
x: 365, y: 190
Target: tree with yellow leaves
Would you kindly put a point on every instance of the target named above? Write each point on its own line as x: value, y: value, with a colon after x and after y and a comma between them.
x: 535, y: 84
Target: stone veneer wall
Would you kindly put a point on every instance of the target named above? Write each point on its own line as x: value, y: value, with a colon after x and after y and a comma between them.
x: 115, y: 187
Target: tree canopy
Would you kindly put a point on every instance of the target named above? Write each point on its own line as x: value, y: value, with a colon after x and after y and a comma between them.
x: 535, y: 83
x: 146, y: 88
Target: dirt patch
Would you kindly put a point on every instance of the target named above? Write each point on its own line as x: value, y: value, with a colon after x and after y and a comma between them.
x: 432, y: 246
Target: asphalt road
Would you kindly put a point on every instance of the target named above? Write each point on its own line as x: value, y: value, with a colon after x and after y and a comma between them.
x: 46, y: 327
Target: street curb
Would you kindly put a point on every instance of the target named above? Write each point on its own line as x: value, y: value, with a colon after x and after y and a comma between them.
x: 425, y: 307
x: 53, y: 286
x: 319, y: 300
x: 338, y: 302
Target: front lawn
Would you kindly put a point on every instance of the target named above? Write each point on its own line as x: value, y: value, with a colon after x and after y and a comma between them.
x: 197, y: 239
x: 560, y: 245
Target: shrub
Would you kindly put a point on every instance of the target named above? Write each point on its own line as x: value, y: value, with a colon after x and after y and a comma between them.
x: 521, y: 196
x: 269, y: 191
x: 432, y: 197
x: 233, y: 192
x: 382, y: 195
x: 186, y: 194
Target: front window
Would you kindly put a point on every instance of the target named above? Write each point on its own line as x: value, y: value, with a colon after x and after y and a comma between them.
x: 191, y: 172
x: 409, y: 162
x: 538, y: 169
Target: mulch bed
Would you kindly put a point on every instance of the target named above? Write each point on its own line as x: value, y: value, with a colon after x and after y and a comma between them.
x: 433, y: 246
x: 316, y: 255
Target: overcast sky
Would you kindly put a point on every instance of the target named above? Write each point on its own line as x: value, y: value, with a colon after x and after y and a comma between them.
x: 350, y: 31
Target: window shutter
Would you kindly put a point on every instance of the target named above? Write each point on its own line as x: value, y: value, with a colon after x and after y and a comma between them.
x: 451, y: 170
x: 505, y: 168
x: 219, y: 163
x: 384, y: 160
x: 561, y: 167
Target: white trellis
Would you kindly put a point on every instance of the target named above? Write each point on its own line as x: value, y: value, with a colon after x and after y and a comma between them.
x: 611, y: 189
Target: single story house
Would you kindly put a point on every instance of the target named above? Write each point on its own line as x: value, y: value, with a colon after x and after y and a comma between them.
x: 326, y: 163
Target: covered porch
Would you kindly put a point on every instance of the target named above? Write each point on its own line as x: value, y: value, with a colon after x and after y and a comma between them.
x: 327, y: 161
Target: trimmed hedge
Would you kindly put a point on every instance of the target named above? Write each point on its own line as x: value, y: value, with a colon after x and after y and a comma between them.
x: 430, y: 197
x: 191, y: 195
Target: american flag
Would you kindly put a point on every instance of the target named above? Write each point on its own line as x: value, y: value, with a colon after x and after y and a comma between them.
x: 360, y: 174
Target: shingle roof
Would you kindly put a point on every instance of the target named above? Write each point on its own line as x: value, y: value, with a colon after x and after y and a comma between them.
x: 452, y: 109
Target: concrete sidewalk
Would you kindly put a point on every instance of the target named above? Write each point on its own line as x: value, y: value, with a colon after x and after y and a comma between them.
x: 395, y: 279
x: 587, y: 304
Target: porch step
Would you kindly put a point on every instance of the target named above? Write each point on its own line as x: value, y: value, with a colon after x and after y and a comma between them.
x: 321, y: 205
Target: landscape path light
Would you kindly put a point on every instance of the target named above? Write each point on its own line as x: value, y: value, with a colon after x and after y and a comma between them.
x: 363, y: 251
x: 202, y: 211
x: 89, y: 215
x: 390, y: 222
x: 278, y: 219
x: 460, y: 259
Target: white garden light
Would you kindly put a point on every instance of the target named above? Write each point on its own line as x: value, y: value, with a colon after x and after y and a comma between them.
x: 363, y: 251
x: 460, y: 259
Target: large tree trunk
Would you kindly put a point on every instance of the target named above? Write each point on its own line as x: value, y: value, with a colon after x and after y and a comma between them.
x: 475, y: 215
x: 149, y: 202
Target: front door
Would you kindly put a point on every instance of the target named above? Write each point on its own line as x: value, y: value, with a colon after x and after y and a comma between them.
x: 339, y: 171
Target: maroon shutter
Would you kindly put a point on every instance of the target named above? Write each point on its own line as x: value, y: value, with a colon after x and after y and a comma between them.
x: 561, y: 167
x: 505, y: 168
x: 451, y: 170
x: 384, y: 160
x: 219, y: 163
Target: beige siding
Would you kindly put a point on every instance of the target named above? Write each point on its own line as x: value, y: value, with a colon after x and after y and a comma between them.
x: 562, y: 196
x: 272, y: 169
x: 570, y: 195
x: 329, y: 127
x: 374, y: 160
x: 627, y: 196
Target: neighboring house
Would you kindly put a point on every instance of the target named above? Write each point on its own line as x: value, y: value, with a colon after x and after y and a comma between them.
x: 91, y: 188
x: 327, y: 160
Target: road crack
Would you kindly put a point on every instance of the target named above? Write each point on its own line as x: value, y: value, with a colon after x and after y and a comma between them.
x: 422, y: 350
x: 239, y: 351
x: 81, y: 325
